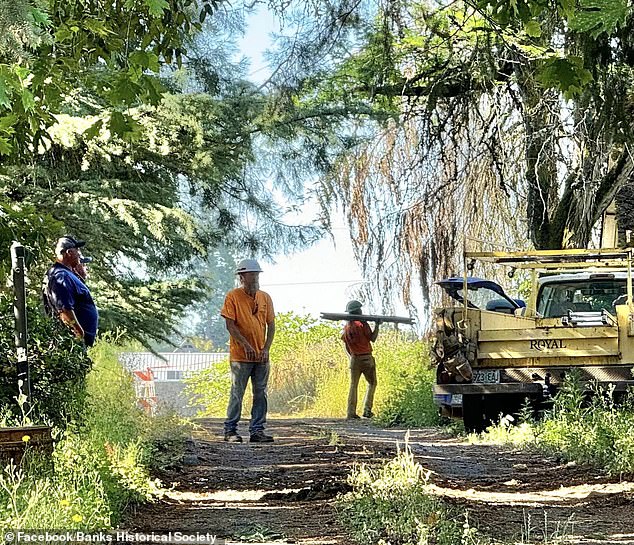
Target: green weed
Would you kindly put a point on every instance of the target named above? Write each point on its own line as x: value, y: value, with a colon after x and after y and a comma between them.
x: 391, y: 504
x: 209, y: 389
x: 586, y: 429
x: 331, y: 436
x: 100, y: 464
x: 546, y: 532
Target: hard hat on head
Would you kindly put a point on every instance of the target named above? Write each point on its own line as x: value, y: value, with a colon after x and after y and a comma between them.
x: 248, y: 265
x: 354, y: 307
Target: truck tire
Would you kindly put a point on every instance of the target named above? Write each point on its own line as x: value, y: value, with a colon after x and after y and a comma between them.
x: 473, y: 413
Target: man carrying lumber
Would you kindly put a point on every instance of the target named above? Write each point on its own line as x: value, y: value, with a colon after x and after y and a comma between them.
x: 357, y: 337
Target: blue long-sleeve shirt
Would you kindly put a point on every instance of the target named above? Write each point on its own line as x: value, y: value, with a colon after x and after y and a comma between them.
x: 66, y: 291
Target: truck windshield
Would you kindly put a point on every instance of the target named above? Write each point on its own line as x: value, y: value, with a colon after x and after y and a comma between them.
x: 556, y: 299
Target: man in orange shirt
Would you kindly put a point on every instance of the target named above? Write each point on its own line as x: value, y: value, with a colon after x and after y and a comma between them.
x: 357, y: 336
x: 250, y: 320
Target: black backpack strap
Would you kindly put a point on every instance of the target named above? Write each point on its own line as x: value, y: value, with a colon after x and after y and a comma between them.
x: 46, y: 294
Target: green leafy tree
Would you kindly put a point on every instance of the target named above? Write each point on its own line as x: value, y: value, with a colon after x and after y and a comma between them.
x: 503, y: 121
x: 89, y: 54
x: 153, y: 180
x: 219, y: 273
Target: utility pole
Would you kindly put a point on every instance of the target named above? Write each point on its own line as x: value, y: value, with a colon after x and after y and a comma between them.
x: 19, y: 310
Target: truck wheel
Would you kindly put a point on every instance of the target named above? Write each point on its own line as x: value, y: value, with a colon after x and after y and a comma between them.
x: 473, y: 409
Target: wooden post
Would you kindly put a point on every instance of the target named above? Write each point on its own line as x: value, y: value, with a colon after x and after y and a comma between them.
x: 19, y: 310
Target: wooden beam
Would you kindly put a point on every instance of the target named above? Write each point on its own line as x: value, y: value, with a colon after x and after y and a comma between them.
x: 366, y: 317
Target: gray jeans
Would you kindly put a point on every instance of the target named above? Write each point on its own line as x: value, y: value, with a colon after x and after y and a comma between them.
x: 240, y: 374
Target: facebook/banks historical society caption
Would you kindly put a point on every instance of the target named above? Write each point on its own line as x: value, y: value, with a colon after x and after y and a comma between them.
x: 77, y: 536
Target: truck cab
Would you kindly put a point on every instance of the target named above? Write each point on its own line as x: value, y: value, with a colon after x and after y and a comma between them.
x: 581, y: 293
x: 493, y: 353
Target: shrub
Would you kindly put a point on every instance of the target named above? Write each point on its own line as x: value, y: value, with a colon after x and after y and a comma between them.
x: 305, y: 353
x: 209, y: 389
x: 58, y: 367
x: 116, y: 430
x: 593, y: 430
x: 403, y: 395
x: 100, y: 461
x: 405, y: 381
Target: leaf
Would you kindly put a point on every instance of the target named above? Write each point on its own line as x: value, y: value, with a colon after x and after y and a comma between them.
x: 533, y: 28
x: 598, y: 16
x: 124, y: 126
x: 97, y: 27
x: 63, y: 34
x: 5, y: 146
x: 4, y: 96
x: 28, y: 101
x: 39, y: 17
x: 139, y: 58
x: 153, y: 89
x: 92, y: 131
x: 156, y: 7
x: 566, y: 74
x: 6, y: 124
x: 117, y: 124
x: 146, y: 60
x: 153, y: 62
x: 124, y: 91
x: 566, y: 8
x: 22, y: 72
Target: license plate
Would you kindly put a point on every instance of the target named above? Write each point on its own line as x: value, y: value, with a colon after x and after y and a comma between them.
x: 486, y: 376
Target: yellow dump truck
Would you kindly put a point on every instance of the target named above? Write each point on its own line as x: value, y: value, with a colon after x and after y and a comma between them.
x: 493, y: 352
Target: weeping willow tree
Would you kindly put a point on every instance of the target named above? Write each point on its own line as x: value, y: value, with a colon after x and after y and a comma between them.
x: 510, y: 122
x: 407, y: 214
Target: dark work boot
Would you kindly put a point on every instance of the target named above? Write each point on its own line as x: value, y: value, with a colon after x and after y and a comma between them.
x: 260, y: 437
x: 233, y: 437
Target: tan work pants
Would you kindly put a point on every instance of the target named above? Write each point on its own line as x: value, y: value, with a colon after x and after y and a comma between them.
x: 366, y: 366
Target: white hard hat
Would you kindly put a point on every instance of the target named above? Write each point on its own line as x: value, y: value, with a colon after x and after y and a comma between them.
x: 248, y: 265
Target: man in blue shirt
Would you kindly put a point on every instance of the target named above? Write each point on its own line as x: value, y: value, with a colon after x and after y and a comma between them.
x: 67, y: 296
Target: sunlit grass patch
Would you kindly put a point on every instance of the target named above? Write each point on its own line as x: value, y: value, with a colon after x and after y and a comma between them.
x: 391, y: 504
x: 595, y: 430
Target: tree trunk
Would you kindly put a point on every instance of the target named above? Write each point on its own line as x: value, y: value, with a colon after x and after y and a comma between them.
x: 541, y: 166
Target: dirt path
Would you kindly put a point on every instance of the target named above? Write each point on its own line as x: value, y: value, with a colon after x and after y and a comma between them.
x: 285, y: 491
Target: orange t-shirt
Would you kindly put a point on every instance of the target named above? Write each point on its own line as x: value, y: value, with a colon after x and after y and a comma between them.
x: 251, y: 315
x: 357, y: 337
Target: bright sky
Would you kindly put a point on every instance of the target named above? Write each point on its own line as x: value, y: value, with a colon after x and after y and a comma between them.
x: 323, y: 277
x: 320, y: 279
